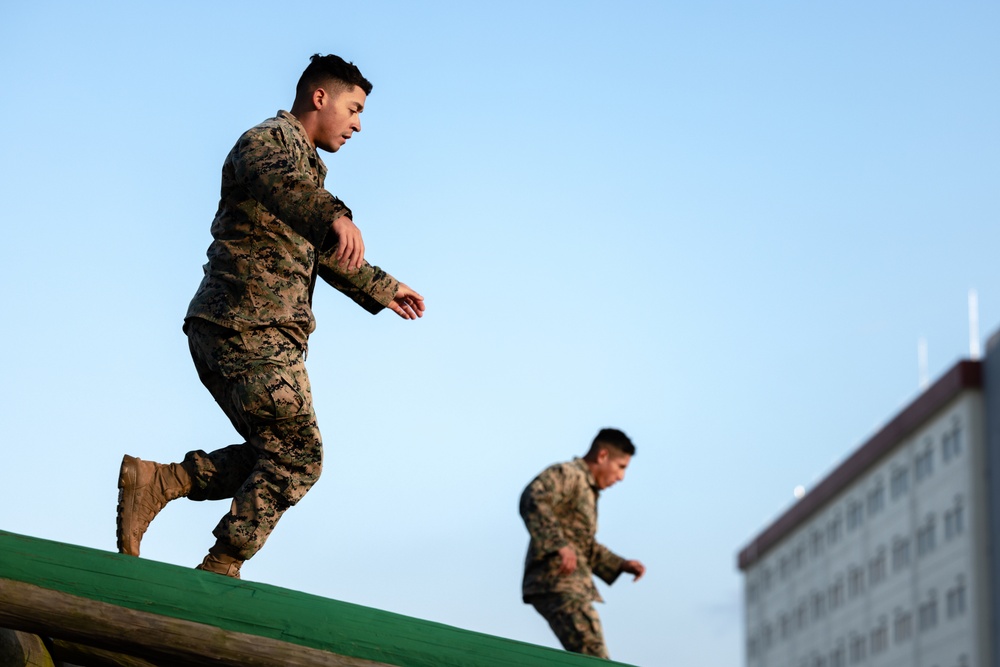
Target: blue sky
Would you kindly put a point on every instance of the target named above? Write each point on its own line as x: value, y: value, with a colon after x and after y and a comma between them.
x: 722, y: 227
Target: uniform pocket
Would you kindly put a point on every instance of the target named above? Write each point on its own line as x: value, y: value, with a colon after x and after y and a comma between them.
x: 271, y: 394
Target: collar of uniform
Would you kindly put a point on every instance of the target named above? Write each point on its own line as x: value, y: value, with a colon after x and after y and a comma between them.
x: 589, y: 476
x: 301, y: 131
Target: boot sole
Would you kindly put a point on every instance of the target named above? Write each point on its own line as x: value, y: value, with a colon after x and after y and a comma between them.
x: 127, y: 477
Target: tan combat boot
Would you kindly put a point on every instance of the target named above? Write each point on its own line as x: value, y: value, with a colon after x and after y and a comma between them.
x: 144, y: 488
x: 220, y: 559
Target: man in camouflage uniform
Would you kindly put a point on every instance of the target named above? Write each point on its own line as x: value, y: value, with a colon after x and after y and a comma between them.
x: 276, y: 230
x: 559, y: 508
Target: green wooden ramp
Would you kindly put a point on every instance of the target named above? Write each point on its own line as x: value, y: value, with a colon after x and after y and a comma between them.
x: 175, y: 616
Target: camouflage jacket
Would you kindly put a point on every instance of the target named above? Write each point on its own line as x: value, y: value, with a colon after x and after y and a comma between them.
x: 559, y: 508
x: 272, y: 236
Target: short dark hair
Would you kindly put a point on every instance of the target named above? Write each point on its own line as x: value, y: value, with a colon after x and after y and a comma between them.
x: 610, y: 438
x: 322, y: 69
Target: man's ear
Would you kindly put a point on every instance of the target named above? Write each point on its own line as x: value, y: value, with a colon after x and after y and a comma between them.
x: 603, y: 455
x: 319, y: 98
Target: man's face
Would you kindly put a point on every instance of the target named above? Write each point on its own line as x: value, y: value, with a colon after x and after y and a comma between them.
x: 610, y: 468
x: 339, y: 118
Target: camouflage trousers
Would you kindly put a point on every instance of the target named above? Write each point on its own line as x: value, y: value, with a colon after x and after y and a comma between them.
x: 574, y: 621
x: 258, y: 378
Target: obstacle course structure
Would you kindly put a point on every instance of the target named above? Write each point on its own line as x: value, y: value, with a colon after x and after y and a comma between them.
x: 96, y: 607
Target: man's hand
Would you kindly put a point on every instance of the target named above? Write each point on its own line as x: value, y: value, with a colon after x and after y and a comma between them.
x: 567, y: 559
x: 634, y: 567
x: 407, y: 304
x: 350, y: 247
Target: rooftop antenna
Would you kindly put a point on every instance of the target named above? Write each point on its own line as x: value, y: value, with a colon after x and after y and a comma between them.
x: 973, y: 325
x: 923, y: 381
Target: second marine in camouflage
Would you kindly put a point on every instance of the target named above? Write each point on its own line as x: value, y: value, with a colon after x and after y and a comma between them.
x: 559, y: 508
x: 277, y: 230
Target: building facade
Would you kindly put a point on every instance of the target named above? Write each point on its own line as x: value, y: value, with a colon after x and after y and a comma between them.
x: 888, y: 561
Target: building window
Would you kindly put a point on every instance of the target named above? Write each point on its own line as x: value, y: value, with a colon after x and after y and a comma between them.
x: 767, y: 636
x: 956, y: 599
x: 877, y: 568
x: 799, y: 556
x: 816, y: 543
x: 899, y: 482
x: 836, y: 594
x: 879, y: 640
x: 857, y: 649
x: 927, y: 614
x: 801, y: 615
x: 876, y: 499
x: 765, y: 579
x: 837, y: 655
x: 926, y: 537
x: 833, y: 529
x: 951, y: 443
x: 900, y: 553
x: 817, y: 661
x: 925, y: 464
x: 784, y: 567
x: 855, y: 582
x: 855, y: 514
x: 786, y: 626
x: 902, y: 627
x: 818, y: 605
x: 954, y: 520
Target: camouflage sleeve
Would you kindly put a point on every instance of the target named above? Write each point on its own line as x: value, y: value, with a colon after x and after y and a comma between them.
x: 369, y: 286
x: 265, y: 165
x: 605, y: 563
x: 537, y: 509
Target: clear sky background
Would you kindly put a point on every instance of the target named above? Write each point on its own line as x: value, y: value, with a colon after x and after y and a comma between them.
x: 720, y: 226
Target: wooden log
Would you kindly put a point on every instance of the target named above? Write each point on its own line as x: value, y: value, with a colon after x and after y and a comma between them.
x: 21, y: 649
x: 153, y: 637
x: 171, y: 615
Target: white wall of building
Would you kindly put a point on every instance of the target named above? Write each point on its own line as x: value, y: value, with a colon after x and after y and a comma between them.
x: 890, y: 571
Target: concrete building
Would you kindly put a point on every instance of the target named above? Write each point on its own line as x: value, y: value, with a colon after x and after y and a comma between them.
x: 889, y: 561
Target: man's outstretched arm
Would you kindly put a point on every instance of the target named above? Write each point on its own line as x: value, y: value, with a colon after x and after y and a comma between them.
x: 606, y: 564
x: 370, y: 287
